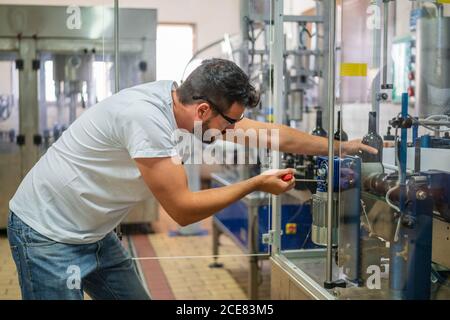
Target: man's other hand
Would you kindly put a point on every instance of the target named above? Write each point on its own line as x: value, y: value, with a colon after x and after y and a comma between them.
x: 354, y: 147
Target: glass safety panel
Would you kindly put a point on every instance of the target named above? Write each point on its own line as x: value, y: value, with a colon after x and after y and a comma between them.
x: 302, y: 96
x: 230, y: 244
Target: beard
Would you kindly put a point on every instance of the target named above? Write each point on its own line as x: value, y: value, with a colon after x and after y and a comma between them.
x: 205, y: 126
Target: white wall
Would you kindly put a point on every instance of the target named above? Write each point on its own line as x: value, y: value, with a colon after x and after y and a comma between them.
x: 5, y: 79
x: 403, y: 10
x: 297, y: 7
x: 212, y: 18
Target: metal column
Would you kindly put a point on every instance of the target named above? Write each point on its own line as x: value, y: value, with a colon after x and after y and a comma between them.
x: 330, y: 103
x: 276, y: 58
x: 398, y: 262
x: 253, y: 249
x: 28, y: 105
x: 116, y: 70
x: 116, y: 46
x: 244, y: 10
x: 376, y: 61
x: 323, y: 8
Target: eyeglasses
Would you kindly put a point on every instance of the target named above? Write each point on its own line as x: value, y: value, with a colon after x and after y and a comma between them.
x: 230, y: 120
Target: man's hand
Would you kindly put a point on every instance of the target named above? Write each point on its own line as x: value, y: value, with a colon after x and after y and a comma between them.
x: 354, y: 147
x: 271, y: 181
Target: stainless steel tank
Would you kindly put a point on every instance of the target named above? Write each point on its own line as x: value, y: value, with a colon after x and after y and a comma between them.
x: 73, y: 67
x: 433, y: 66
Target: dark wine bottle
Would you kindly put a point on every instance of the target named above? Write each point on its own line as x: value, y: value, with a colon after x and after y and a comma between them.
x: 318, y: 130
x: 340, y: 134
x: 373, y: 139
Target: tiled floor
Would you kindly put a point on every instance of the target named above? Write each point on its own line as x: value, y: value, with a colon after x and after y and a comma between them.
x: 185, y: 262
x: 9, y: 285
x: 171, y: 277
x: 192, y: 278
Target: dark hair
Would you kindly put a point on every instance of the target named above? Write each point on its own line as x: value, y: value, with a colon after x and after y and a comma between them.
x: 222, y: 82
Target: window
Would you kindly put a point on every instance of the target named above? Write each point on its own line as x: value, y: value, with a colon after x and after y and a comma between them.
x: 174, y: 49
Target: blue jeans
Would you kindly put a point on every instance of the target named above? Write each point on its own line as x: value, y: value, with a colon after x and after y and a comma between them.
x: 52, y: 270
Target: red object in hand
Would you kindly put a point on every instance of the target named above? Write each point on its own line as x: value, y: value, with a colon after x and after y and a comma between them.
x: 287, y: 177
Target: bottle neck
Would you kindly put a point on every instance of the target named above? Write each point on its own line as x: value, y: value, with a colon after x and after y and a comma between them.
x: 372, y: 122
x: 319, y: 119
x: 338, y: 121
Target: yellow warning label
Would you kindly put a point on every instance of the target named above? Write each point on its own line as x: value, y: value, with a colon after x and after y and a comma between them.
x: 291, y: 228
x: 443, y: 1
x: 353, y: 69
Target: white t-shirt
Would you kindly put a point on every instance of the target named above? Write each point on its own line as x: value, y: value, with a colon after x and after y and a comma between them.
x: 87, y: 181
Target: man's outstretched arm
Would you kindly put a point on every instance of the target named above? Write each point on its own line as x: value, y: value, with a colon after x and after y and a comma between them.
x: 295, y: 141
x: 168, y: 183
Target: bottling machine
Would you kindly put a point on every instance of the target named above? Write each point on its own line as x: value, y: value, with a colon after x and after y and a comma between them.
x: 382, y: 221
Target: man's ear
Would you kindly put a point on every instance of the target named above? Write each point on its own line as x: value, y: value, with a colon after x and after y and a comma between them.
x: 203, y: 111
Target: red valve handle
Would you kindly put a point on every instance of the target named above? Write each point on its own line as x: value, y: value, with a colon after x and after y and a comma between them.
x: 287, y: 177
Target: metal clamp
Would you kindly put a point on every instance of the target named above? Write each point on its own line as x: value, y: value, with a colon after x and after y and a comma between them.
x: 267, y: 238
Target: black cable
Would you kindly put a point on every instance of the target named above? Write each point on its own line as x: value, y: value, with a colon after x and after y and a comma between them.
x: 302, y: 31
